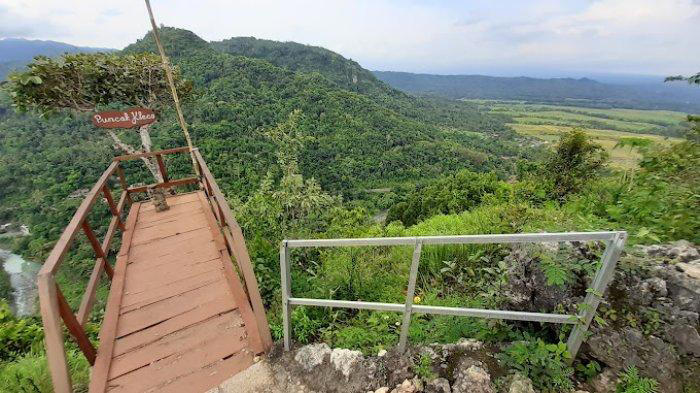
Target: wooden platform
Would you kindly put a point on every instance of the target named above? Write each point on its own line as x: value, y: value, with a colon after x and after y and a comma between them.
x: 177, y: 318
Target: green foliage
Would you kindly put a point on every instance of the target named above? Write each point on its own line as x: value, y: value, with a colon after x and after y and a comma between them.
x: 17, y: 336
x: 423, y: 367
x: 545, y: 364
x: 588, y: 370
x: 83, y: 82
x: 30, y: 373
x: 576, y: 162
x: 448, y: 194
x: 632, y: 382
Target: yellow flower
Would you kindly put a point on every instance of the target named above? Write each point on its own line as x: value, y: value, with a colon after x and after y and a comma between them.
x: 416, y: 299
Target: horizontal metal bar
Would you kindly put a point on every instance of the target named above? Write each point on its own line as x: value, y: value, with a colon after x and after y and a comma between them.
x: 296, y: 301
x: 466, y: 239
x: 462, y: 312
x: 496, y: 314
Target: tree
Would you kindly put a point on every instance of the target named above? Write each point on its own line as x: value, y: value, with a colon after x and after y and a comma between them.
x: 86, y: 82
x: 575, y: 162
x: 694, y: 134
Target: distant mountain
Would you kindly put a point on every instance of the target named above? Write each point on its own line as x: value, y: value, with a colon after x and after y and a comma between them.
x: 15, y: 53
x: 581, y: 92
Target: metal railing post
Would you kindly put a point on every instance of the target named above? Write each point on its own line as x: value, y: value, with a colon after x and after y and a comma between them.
x: 410, y: 292
x: 286, y: 294
x: 595, y: 292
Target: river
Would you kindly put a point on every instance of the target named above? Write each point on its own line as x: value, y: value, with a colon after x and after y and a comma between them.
x: 23, y: 280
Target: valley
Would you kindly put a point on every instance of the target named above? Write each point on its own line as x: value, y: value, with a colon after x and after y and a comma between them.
x: 306, y: 143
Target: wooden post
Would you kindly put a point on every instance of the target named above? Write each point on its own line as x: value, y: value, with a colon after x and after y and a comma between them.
x: 161, y: 167
x: 112, y: 206
x: 123, y: 183
x: 53, y: 334
x: 75, y: 329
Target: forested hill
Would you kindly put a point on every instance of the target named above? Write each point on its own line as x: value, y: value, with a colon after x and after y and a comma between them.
x: 16, y: 52
x: 581, y: 92
x: 356, y: 138
x: 298, y: 57
x: 353, y: 140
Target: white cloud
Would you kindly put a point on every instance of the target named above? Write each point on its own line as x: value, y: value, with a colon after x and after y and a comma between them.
x: 636, y: 36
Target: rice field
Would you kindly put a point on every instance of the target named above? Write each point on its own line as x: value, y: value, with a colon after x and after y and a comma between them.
x: 605, y: 126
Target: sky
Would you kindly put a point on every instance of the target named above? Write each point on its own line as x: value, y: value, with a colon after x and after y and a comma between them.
x: 494, y: 37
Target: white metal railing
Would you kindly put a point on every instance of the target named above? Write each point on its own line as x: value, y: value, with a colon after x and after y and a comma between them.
x: 615, y: 242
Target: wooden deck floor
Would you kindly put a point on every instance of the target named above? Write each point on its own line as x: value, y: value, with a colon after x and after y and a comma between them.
x: 177, y: 319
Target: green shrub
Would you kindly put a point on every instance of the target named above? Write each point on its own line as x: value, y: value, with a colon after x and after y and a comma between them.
x: 632, y: 382
x: 17, y: 335
x: 30, y: 373
x: 545, y: 364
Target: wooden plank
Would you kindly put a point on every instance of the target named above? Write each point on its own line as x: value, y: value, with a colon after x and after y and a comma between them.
x: 108, y: 332
x: 180, y: 254
x: 161, y: 168
x: 53, y: 334
x: 170, y: 245
x: 188, y: 318
x: 134, y: 300
x: 176, y: 274
x: 234, y: 284
x: 112, y: 206
x: 156, y: 313
x: 170, y: 184
x: 75, y: 329
x: 59, y: 250
x: 157, y: 233
x: 175, y: 211
x: 128, y: 157
x: 229, y: 324
x: 172, y: 201
x: 211, y: 375
x: 177, y: 365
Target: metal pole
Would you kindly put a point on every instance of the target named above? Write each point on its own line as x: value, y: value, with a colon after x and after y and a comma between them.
x: 286, y: 294
x: 171, y: 82
x: 596, y: 292
x: 409, y: 295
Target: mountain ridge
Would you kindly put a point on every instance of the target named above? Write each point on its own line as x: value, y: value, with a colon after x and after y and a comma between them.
x: 574, y: 91
x: 15, y: 53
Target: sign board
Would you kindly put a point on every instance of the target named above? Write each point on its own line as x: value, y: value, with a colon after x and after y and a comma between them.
x: 129, y: 118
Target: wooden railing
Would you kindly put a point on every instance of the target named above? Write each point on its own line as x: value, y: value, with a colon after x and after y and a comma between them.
x: 235, y: 242
x: 55, y: 308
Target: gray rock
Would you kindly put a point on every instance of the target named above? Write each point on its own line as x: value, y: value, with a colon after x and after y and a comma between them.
x: 438, y: 385
x: 471, y: 377
x: 527, y: 288
x: 629, y: 347
x: 686, y: 338
x: 345, y: 360
x: 605, y: 382
x: 520, y: 384
x: 311, y: 356
x: 683, y: 289
x: 406, y: 386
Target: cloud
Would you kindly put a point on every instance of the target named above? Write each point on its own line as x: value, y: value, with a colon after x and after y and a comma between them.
x: 13, y: 24
x: 635, y: 36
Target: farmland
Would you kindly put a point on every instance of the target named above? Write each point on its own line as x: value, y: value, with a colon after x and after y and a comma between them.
x: 606, y: 126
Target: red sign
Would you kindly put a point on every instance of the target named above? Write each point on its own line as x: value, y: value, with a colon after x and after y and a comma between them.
x: 129, y: 118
